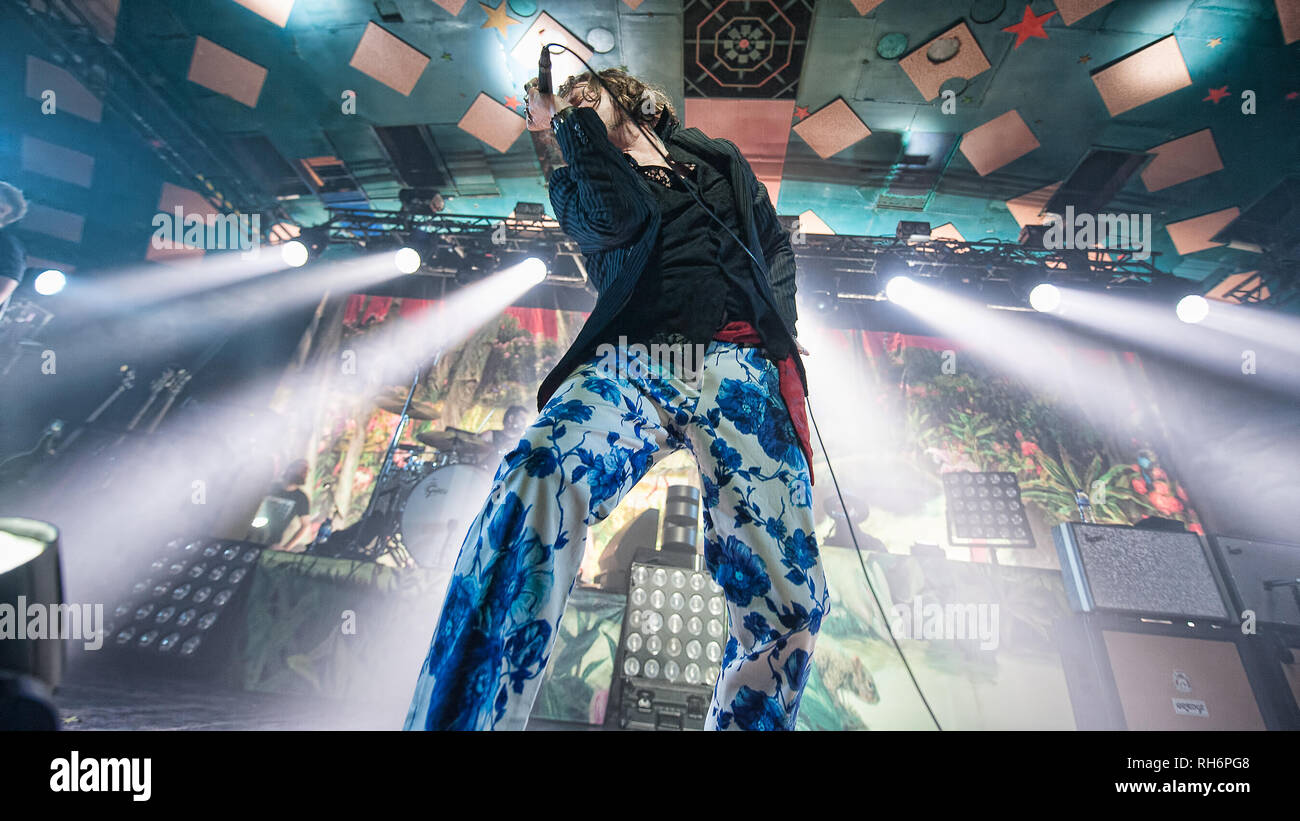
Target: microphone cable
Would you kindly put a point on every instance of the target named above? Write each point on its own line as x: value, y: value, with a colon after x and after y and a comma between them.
x: 654, y: 143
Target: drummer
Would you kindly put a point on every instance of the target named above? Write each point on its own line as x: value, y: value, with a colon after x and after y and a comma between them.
x: 513, y: 423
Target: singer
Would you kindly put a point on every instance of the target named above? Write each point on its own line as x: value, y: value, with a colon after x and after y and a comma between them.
x: 668, y: 273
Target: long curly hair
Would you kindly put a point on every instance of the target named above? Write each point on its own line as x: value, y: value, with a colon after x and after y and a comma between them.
x: 650, y: 102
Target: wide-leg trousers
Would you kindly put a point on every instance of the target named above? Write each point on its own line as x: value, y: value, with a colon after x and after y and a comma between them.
x: 596, y: 438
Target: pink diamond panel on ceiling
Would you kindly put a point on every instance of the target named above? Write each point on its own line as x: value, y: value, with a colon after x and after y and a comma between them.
x: 385, y: 57
x: 53, y: 222
x: 70, y: 96
x: 866, y: 6
x: 1288, y: 14
x: 452, y: 7
x: 1183, y: 159
x: 759, y: 128
x: 1246, y: 280
x: 928, y: 76
x: 492, y: 122
x: 832, y: 129
x: 744, y: 48
x: 225, y: 72
x: 1026, y: 209
x: 1192, y: 235
x: 57, y: 162
x: 101, y: 14
x: 277, y: 11
x: 189, y: 201
x: 998, y: 142
x: 1148, y: 74
x: 1073, y: 11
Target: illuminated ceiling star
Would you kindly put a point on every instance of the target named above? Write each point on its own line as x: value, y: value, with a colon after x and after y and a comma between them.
x: 1216, y: 94
x: 512, y: 102
x: 801, y: 111
x: 1293, y: 95
x: 497, y: 17
x: 1085, y: 58
x: 1030, y: 25
x: 1217, y: 41
x: 446, y: 55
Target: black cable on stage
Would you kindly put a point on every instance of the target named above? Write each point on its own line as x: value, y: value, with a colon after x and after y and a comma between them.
x: 651, y: 138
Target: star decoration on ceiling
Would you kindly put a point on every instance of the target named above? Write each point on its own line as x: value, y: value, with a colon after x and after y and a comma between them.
x: 1217, y: 41
x: 1293, y: 95
x: 1216, y: 94
x: 1085, y: 58
x: 497, y: 18
x: 512, y: 101
x: 800, y: 111
x: 1030, y: 25
x: 446, y: 55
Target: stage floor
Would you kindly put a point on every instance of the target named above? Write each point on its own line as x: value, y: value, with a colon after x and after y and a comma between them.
x: 94, y: 698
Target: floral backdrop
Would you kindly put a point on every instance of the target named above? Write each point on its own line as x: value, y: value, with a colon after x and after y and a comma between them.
x: 895, y: 421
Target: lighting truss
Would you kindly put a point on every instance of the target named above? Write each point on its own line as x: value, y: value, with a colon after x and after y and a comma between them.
x: 466, y: 236
x: 859, y: 264
x: 1276, y: 286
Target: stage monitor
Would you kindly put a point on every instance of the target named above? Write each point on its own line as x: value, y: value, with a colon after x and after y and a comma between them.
x: 1262, y: 578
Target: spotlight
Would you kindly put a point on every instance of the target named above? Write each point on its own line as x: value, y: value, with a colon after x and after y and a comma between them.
x: 530, y: 210
x: 31, y: 667
x: 294, y: 254
x: 527, y: 271
x: 1193, y: 308
x: 173, y: 606
x: 533, y: 269
x: 985, y: 509
x: 672, y: 644
x: 824, y: 301
x: 912, y: 231
x: 407, y: 260
x: 49, y: 283
x: 902, y: 290
x: 1045, y: 297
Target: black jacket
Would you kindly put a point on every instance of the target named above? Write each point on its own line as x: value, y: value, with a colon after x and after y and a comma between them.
x: 609, y: 210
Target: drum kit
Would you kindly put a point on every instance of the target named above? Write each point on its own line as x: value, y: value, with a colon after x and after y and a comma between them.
x: 425, y: 496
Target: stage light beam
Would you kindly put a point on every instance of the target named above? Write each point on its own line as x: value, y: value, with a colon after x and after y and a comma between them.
x: 1045, y: 297
x: 294, y: 254
x: 902, y: 290
x: 532, y: 271
x: 1193, y: 308
x: 407, y: 260
x: 49, y: 283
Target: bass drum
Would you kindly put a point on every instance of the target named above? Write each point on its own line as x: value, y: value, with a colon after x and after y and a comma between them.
x: 439, y: 511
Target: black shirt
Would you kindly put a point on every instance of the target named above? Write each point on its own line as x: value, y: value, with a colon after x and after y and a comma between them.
x: 282, y: 507
x: 13, y: 261
x: 698, y: 279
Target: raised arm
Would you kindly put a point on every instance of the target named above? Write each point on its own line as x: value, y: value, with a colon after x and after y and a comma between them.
x: 596, y: 196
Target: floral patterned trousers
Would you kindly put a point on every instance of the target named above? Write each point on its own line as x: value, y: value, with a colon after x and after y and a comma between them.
x: 599, y: 434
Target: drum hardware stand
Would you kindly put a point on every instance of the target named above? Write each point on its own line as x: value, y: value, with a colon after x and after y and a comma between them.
x: 49, y: 445
x: 388, y: 541
x: 127, y: 383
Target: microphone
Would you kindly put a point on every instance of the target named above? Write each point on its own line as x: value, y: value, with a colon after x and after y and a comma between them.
x: 544, y: 72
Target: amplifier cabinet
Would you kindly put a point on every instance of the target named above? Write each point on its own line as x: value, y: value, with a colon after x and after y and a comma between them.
x: 1181, y: 683
x: 1247, y: 564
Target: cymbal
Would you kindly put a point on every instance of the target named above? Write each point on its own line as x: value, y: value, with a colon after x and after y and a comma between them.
x: 455, y: 440
x: 393, y: 399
